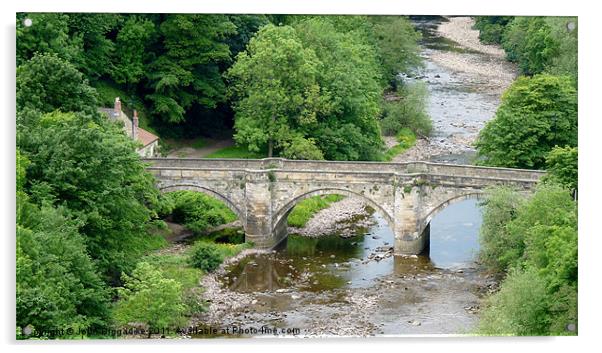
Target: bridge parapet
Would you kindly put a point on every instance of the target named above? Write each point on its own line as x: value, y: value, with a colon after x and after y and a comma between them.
x: 262, y: 192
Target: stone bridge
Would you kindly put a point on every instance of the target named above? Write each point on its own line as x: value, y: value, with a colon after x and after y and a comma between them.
x: 263, y: 192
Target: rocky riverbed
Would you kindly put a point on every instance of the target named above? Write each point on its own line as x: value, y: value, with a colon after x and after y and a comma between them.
x: 465, y: 80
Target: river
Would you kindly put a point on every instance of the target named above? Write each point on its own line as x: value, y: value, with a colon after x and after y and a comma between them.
x: 354, y: 286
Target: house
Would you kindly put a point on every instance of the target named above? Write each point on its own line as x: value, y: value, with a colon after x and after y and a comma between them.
x: 149, y: 142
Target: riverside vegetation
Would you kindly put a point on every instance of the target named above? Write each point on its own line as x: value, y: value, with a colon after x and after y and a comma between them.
x: 532, y: 242
x: 90, y: 250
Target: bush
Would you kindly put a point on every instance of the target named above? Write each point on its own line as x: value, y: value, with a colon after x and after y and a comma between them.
x: 500, y: 249
x: 195, y: 210
x: 519, y: 308
x: 57, y: 283
x: 536, y: 242
x: 149, y: 298
x: 407, y: 112
x: 491, y: 28
x: 205, y: 256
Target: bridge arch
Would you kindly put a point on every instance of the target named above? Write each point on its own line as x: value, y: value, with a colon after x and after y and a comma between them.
x: 476, y: 194
x: 282, y: 214
x: 209, y: 192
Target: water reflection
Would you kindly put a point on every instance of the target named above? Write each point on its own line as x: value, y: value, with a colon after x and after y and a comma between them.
x: 330, y: 262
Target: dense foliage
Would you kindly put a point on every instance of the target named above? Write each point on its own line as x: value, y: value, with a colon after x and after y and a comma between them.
x: 562, y: 166
x: 58, y: 285
x: 313, y: 89
x: 150, y: 300
x: 536, y: 114
x: 195, y: 210
x: 205, y: 256
x: 534, y: 240
x: 407, y: 111
x: 536, y: 44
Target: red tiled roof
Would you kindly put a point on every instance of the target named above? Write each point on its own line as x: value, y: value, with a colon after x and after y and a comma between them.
x: 146, y: 137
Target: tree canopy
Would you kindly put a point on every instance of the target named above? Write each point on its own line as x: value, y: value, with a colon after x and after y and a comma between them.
x: 536, y: 114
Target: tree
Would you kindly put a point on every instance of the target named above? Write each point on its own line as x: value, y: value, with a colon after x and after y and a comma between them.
x: 351, y: 81
x: 529, y: 42
x: 561, y: 165
x: 57, y: 282
x: 500, y: 249
x: 91, y: 168
x: 397, y: 43
x: 48, y: 34
x: 536, y: 114
x: 47, y: 83
x: 539, y: 295
x: 131, y: 44
x: 275, y: 90
x: 492, y: 28
x: 149, y: 298
x: 187, y: 69
x: 93, y: 30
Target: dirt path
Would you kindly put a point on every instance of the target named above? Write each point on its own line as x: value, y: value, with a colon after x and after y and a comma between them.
x: 191, y: 152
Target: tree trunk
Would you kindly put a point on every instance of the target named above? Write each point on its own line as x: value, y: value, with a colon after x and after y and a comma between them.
x: 270, y: 148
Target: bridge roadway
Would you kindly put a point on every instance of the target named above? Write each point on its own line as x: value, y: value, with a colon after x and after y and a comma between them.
x: 262, y: 192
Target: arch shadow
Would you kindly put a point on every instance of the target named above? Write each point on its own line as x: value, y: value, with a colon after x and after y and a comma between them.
x: 209, y: 192
x: 285, y: 210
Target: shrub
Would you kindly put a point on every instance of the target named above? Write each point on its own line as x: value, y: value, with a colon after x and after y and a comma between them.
x: 149, y: 298
x: 195, y: 210
x: 205, y: 256
x: 407, y: 112
x: 519, y: 308
x: 500, y: 249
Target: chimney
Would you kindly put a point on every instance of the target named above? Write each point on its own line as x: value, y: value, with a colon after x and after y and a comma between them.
x: 135, y: 126
x: 117, y: 109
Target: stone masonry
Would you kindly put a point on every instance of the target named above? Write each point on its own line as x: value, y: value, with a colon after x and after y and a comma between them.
x: 263, y: 192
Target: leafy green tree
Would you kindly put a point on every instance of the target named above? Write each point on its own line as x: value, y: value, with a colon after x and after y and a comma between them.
x: 397, y: 43
x: 131, y: 46
x: 57, y: 282
x: 48, y: 34
x: 91, y: 168
x: 529, y: 42
x: 539, y: 296
x: 562, y: 166
x: 275, y: 89
x: 93, y: 29
x: 47, y: 83
x: 492, y: 28
x: 500, y: 249
x: 536, y: 114
x: 409, y: 111
x: 351, y: 82
x: 187, y: 69
x: 148, y: 298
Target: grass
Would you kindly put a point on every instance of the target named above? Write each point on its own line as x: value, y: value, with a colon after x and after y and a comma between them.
x: 236, y: 152
x: 406, y: 139
x: 305, y: 209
